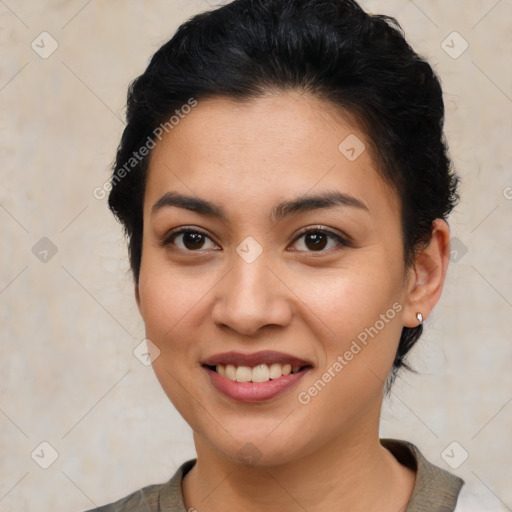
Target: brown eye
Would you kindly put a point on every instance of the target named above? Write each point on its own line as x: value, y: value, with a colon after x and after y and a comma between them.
x: 316, y: 240
x: 188, y: 240
x: 193, y: 240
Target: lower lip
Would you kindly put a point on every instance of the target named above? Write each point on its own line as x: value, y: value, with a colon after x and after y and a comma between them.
x: 254, y: 391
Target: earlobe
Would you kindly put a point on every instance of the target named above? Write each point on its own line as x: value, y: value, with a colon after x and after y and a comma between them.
x: 428, y: 276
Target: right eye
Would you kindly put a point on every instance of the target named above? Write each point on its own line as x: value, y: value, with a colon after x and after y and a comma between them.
x: 187, y: 240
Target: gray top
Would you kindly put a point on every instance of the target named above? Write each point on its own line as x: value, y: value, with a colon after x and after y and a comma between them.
x: 435, y: 489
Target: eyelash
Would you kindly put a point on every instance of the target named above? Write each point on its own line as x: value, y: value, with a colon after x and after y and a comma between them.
x: 312, y: 229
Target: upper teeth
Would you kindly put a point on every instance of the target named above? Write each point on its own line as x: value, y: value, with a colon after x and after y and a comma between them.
x: 260, y: 373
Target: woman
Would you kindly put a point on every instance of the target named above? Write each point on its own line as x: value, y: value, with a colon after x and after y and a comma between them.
x: 284, y: 184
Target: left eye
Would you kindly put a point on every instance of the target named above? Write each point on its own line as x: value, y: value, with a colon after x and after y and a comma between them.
x: 316, y: 240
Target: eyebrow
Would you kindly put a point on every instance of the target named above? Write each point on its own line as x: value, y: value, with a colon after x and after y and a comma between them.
x: 279, y: 212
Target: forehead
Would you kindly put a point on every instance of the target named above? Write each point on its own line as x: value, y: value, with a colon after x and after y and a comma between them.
x: 278, y: 145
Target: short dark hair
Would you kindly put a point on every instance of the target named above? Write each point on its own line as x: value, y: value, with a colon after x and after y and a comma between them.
x: 329, y: 48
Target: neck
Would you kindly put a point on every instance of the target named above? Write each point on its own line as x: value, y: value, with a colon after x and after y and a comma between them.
x: 354, y: 470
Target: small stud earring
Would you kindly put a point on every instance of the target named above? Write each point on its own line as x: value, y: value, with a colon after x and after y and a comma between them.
x: 419, y: 316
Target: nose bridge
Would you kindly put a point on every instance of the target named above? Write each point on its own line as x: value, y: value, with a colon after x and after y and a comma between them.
x: 251, y: 296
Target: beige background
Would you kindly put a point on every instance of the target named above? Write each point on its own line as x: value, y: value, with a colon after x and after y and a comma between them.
x: 69, y: 325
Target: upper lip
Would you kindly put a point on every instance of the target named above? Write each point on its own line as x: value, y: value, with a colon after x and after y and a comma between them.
x: 254, y: 359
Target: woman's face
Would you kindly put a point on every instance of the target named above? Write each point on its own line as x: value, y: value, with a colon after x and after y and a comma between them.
x: 247, y: 296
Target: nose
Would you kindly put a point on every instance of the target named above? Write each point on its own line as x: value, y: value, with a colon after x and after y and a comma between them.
x: 250, y: 297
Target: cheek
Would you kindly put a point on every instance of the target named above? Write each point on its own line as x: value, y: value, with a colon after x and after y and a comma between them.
x: 348, y: 300
x: 170, y: 304
x: 170, y: 298
x: 361, y: 308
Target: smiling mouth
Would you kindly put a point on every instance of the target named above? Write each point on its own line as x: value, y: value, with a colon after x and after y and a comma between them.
x: 259, y: 373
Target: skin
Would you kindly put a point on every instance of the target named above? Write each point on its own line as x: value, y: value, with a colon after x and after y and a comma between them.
x: 203, y: 299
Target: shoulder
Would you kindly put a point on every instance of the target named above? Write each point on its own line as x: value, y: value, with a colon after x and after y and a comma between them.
x: 144, y: 500
x: 435, y: 489
x: 153, y: 498
x: 439, y: 490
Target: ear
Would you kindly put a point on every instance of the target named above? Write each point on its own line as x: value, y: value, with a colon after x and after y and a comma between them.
x: 426, y: 278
